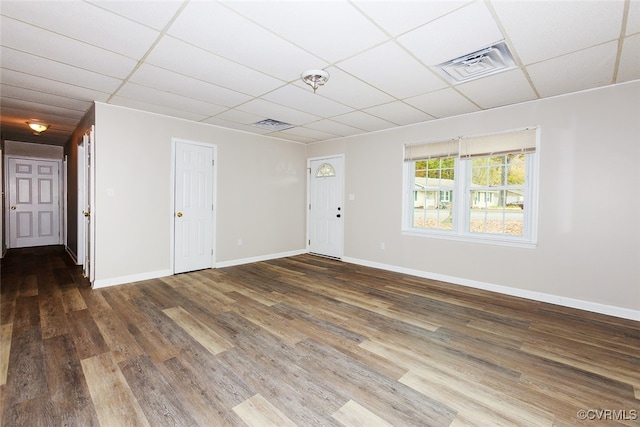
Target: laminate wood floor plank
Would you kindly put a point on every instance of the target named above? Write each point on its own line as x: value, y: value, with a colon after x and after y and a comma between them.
x: 302, y: 340
x: 204, y: 400
x: 154, y: 393
x: 119, y: 340
x: 352, y: 414
x: 87, y: 338
x: 200, y: 332
x: 113, y: 399
x: 72, y: 403
x: 258, y: 412
x: 6, y: 332
x: 143, y: 332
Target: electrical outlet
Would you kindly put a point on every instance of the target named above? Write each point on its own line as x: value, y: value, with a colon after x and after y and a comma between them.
x: 382, y: 246
x: 239, y: 242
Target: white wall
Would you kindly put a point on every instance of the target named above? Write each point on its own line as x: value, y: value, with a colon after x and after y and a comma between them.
x: 588, y: 253
x: 261, y: 190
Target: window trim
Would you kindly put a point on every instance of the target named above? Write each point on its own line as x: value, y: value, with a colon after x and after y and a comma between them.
x: 529, y: 240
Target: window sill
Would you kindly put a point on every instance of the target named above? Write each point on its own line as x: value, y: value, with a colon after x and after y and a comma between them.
x: 470, y: 239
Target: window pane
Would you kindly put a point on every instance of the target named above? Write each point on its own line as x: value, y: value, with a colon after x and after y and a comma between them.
x: 517, y: 169
x: 492, y: 213
x: 433, y: 193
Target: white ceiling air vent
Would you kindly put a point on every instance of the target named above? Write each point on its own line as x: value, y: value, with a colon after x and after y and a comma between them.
x: 272, y: 125
x: 484, y: 62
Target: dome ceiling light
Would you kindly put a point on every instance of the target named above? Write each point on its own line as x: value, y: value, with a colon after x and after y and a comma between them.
x: 315, y: 78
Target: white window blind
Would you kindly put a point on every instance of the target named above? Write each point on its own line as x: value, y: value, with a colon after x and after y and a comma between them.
x: 520, y: 141
x: 431, y: 150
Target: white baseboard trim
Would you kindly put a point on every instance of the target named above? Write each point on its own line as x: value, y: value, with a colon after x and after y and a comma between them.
x: 259, y: 258
x: 103, y: 283
x: 609, y: 310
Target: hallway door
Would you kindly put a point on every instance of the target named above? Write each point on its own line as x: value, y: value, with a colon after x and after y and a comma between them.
x: 34, y: 202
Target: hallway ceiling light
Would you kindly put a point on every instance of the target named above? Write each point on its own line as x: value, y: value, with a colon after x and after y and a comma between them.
x: 315, y: 78
x: 38, y: 127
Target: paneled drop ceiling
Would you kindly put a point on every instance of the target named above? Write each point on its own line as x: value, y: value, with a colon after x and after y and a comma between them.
x: 234, y: 63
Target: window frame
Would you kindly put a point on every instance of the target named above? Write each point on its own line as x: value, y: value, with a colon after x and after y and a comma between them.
x: 462, y: 202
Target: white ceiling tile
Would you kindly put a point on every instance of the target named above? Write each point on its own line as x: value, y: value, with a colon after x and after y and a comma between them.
x: 56, y: 121
x: 156, y: 108
x: 305, y: 24
x: 168, y: 81
x: 39, y: 84
x: 543, y: 30
x: 334, y: 128
x: 176, y: 55
x: 349, y: 90
x: 303, y: 98
x: 489, y: 92
x: 240, y: 117
x: 443, y: 103
x: 291, y: 137
x: 399, y: 113
x: 157, y: 16
x: 269, y: 110
x: 168, y: 100
x: 39, y: 42
x: 218, y: 121
x: 463, y: 31
x: 83, y: 21
x: 392, y: 79
x: 364, y: 121
x: 308, y: 133
x: 45, y: 110
x: 220, y: 30
x: 397, y: 20
x: 585, y: 69
x: 48, y: 69
x: 629, y: 68
x: 12, y: 92
x: 633, y: 20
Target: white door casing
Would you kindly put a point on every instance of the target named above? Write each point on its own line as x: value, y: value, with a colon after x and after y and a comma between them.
x: 193, y: 206
x: 34, y: 202
x: 86, y: 204
x: 326, y: 206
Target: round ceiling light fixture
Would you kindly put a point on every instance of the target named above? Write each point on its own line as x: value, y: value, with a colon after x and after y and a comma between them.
x: 315, y: 78
x: 37, y: 127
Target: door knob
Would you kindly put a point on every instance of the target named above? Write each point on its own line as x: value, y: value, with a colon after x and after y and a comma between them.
x: 179, y: 214
x: 13, y: 208
x: 338, y: 216
x: 87, y: 214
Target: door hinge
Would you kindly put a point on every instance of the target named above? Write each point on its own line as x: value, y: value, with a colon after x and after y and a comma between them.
x: 309, y: 206
x: 309, y: 241
x: 213, y: 162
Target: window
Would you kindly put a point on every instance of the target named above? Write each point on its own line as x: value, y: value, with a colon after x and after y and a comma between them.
x: 480, y: 188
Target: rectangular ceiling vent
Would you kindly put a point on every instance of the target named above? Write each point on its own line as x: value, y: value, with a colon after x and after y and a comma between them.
x: 484, y: 62
x: 272, y: 125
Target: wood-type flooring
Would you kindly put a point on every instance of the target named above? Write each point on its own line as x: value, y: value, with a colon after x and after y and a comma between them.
x: 300, y: 341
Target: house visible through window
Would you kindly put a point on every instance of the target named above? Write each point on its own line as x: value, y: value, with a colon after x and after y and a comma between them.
x: 479, y: 188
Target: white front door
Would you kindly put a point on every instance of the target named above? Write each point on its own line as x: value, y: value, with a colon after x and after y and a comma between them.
x: 34, y: 202
x: 326, y: 209
x: 193, y: 201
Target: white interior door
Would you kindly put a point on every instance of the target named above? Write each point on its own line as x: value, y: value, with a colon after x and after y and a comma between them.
x: 34, y: 202
x: 326, y: 210
x: 193, y: 201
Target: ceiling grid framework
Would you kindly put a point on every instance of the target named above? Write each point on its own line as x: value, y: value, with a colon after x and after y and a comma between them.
x: 237, y: 63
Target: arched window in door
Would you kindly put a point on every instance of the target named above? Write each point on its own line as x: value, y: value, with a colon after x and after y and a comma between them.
x: 325, y: 170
